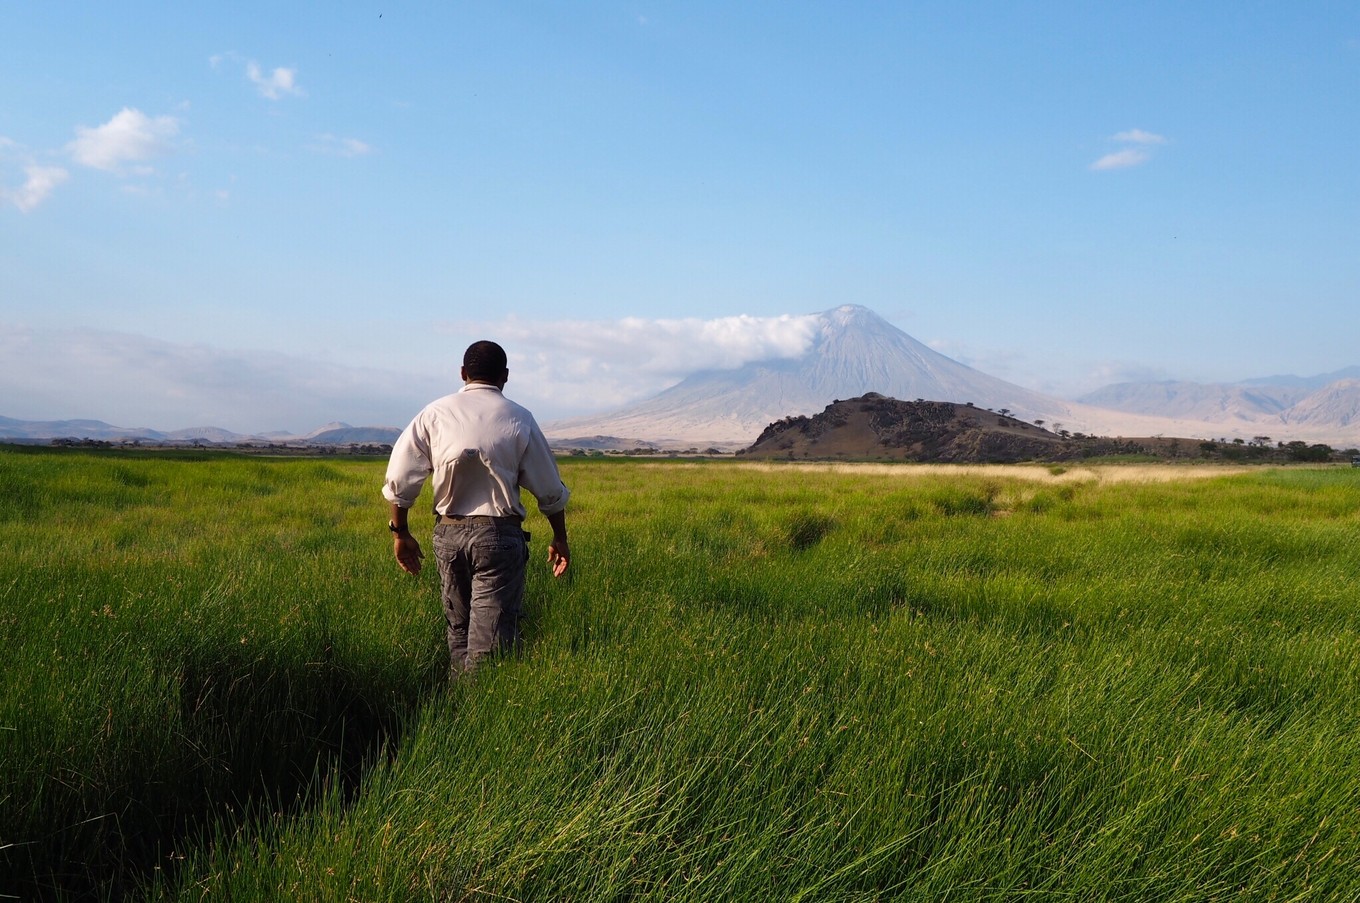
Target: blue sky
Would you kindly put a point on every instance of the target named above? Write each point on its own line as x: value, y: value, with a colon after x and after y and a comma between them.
x: 266, y: 218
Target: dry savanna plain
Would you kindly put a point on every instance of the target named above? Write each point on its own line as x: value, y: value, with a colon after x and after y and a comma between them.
x: 758, y: 682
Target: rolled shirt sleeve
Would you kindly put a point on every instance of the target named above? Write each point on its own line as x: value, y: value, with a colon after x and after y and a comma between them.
x: 538, y: 474
x: 409, y: 466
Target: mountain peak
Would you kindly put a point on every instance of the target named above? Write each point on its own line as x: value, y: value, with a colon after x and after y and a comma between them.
x: 855, y: 315
x: 857, y: 352
x: 327, y: 428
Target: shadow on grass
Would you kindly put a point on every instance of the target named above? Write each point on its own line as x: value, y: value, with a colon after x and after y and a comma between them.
x: 256, y: 738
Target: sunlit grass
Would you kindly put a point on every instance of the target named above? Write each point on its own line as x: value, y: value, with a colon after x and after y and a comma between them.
x: 758, y: 682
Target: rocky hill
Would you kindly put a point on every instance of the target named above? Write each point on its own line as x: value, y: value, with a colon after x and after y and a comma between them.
x: 875, y: 427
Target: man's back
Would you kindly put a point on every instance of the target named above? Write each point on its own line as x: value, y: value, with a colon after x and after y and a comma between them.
x: 480, y: 447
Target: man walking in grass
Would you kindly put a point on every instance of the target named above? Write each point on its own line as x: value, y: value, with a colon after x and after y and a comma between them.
x: 482, y: 448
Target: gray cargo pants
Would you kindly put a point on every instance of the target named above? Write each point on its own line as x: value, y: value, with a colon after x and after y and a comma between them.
x: 481, y: 564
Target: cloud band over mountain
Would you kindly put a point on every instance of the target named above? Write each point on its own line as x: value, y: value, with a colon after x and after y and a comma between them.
x: 721, y: 378
x: 568, y: 366
x: 593, y: 364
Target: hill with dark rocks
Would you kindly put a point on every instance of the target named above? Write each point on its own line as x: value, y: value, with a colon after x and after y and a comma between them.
x: 873, y: 427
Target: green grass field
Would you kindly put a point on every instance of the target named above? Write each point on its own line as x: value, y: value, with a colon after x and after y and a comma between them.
x: 758, y: 683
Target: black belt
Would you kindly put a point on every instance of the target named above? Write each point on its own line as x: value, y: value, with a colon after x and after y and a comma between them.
x: 477, y: 519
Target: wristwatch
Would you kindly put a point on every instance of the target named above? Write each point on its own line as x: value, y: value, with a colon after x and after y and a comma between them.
x: 395, y: 529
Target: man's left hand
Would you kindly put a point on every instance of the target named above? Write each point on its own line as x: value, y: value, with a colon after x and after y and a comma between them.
x: 559, y: 556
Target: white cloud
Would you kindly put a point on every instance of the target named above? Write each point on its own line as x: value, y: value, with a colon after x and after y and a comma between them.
x: 341, y: 147
x: 1121, y: 160
x: 279, y: 83
x: 38, y: 182
x: 129, y: 138
x: 38, y: 185
x: 1138, y: 136
x: 276, y: 84
x: 1106, y: 373
x: 1129, y: 156
x: 667, y: 348
x: 582, y: 365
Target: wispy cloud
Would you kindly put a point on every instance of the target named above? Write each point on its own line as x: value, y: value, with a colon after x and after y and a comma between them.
x: 1138, y: 136
x: 275, y: 84
x: 557, y: 368
x: 38, y: 179
x: 341, y: 147
x: 37, y: 186
x: 664, y: 347
x: 134, y: 380
x: 1059, y: 377
x: 1111, y: 372
x: 1129, y: 156
x: 129, y: 139
x: 1121, y: 160
x: 581, y: 365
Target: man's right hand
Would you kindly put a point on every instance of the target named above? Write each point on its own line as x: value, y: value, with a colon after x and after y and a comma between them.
x: 406, y: 548
x: 559, y: 555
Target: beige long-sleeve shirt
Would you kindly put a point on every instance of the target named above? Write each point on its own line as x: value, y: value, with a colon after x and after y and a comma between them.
x: 481, y: 448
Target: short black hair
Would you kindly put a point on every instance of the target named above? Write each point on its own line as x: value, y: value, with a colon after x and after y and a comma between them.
x: 485, y: 361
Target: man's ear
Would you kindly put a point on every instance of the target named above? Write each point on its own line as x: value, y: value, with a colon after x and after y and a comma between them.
x: 462, y: 373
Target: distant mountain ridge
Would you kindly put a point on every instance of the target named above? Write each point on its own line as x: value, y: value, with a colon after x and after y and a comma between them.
x: 1304, y: 382
x: 1196, y: 401
x: 1302, y: 407
x: 330, y: 434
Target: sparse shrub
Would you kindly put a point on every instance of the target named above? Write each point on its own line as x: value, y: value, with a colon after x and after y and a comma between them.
x: 805, y: 529
x: 978, y: 501
x: 1300, y: 451
x: 1040, y: 502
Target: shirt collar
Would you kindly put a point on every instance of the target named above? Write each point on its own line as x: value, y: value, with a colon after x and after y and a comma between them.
x: 470, y: 387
